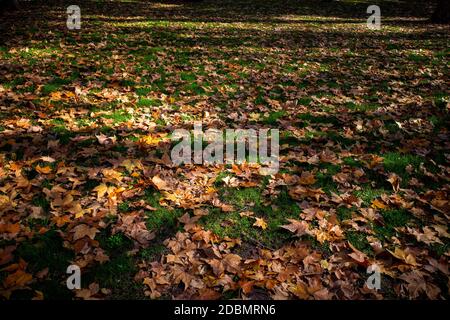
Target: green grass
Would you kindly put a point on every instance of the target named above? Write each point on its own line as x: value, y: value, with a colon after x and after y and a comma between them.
x: 143, y: 91
x: 359, y: 241
x: 242, y: 198
x: 49, y: 88
x: 352, y: 162
x: 418, y: 58
x: 187, y: 76
x: 397, y: 163
x: 231, y: 224
x: 396, y: 218
x: 273, y: 117
x: 46, y: 251
x: 163, y: 219
x: 344, y: 213
x: 367, y: 194
x: 41, y: 201
x: 392, y: 219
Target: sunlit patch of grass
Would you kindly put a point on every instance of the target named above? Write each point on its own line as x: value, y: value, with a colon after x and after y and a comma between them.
x: 119, y: 116
x: 349, y: 161
x: 162, y: 219
x: 143, y: 91
x: 273, y: 117
x: 242, y: 198
x: 146, y: 102
x: 229, y: 224
x: 38, y: 52
x: 344, y: 213
x: 188, y: 76
x: 397, y: 163
x: 233, y: 225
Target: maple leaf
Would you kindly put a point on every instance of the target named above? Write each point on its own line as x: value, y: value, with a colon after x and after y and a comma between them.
x: 134, y: 227
x: 87, y: 294
x: 307, y: 178
x: 19, y: 278
x: 101, y: 190
x: 261, y: 223
x: 105, y: 140
x: 82, y: 230
x: 298, y: 227
x: 217, y: 266
x: 160, y: 184
x: 43, y: 170
x: 395, y: 181
x: 378, y: 204
x: 232, y: 263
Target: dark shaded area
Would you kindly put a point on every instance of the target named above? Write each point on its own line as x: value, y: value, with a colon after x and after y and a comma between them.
x: 442, y: 12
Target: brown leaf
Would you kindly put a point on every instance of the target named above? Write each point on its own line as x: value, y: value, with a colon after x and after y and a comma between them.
x: 83, y: 230
x: 232, y: 263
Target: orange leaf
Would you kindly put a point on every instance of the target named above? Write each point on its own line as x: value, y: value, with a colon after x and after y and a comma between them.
x: 260, y: 223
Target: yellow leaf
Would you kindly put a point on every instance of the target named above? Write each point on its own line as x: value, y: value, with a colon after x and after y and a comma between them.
x: 378, y: 204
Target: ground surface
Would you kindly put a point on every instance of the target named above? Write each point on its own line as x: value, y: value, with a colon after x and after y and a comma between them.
x: 86, y: 178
